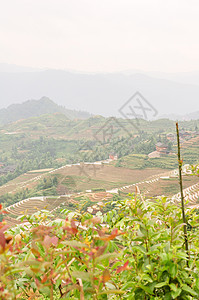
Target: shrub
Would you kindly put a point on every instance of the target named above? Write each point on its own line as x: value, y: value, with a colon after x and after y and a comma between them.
x: 135, y: 251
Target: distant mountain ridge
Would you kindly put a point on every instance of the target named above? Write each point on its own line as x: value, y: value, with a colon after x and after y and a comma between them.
x: 100, y: 94
x: 36, y: 108
x: 186, y: 117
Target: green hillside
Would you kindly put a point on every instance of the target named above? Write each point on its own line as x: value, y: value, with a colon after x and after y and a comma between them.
x: 52, y: 140
x: 35, y: 108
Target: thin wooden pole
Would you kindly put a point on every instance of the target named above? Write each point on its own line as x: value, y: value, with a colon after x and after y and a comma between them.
x: 182, y: 196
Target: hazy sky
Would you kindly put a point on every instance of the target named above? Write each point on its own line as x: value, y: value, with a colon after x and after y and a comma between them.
x: 101, y: 35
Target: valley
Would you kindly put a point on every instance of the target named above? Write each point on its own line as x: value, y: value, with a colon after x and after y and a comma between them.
x: 51, y: 161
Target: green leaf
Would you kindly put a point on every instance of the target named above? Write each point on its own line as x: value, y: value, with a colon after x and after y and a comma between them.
x: 160, y: 284
x: 106, y: 256
x: 152, y: 285
x: 176, y: 293
x: 128, y: 285
x: 111, y: 292
x: 168, y: 296
x: 82, y: 275
x: 145, y: 288
x: 143, y: 231
x: 173, y: 287
x: 139, y: 248
x: 13, y: 271
x: 21, y: 281
x: 173, y: 270
x: 109, y: 285
x: 117, y: 264
x: 186, y: 288
x: 45, y: 291
x: 147, y: 278
x: 182, y: 255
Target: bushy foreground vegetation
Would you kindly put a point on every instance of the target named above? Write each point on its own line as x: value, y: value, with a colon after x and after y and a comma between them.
x: 134, y: 251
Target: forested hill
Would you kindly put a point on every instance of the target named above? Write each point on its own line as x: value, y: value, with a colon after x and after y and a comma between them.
x: 59, y: 126
x: 35, y: 108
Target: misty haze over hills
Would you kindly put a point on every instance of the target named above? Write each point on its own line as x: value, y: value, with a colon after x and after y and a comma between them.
x: 36, y: 108
x: 45, y: 106
x: 102, y: 94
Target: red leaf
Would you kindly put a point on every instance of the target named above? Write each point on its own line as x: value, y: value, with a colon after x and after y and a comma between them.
x: 48, y: 241
x: 123, y: 268
x: 73, y: 224
x: 4, y: 227
x: 106, y: 276
x: 96, y: 220
x: 44, y: 279
x: 71, y: 230
x: 54, y: 240
x: 100, y: 250
x: 114, y: 233
x: 2, y: 240
x: 35, y: 252
x: 102, y: 232
x: 37, y: 282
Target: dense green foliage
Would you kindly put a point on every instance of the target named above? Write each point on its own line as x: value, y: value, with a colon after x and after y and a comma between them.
x: 134, y: 251
x: 36, y: 154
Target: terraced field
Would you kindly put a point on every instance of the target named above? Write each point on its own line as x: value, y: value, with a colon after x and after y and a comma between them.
x: 192, y: 142
x: 191, y: 196
x: 32, y: 205
x: 27, y: 180
x: 163, y: 183
x: 85, y: 176
x: 147, y: 185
